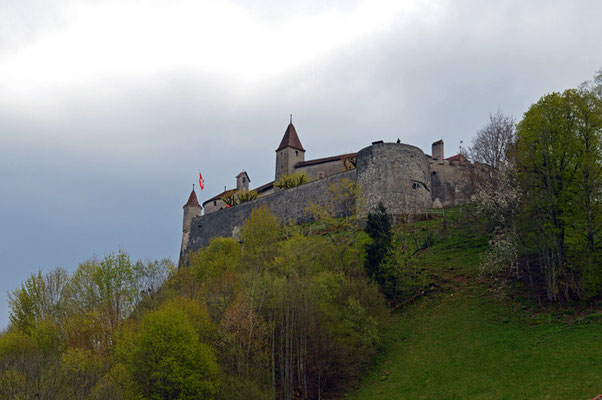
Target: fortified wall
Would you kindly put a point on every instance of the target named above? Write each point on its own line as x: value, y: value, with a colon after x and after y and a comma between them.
x: 400, y: 176
x: 392, y: 173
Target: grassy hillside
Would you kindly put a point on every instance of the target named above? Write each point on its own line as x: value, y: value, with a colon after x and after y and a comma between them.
x: 461, y: 342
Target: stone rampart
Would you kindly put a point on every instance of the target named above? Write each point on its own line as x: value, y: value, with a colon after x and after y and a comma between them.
x: 398, y: 175
x: 287, y: 205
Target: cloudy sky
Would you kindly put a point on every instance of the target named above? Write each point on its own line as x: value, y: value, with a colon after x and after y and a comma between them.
x: 109, y: 108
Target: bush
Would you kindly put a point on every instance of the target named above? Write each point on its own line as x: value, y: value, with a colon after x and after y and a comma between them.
x: 292, y: 180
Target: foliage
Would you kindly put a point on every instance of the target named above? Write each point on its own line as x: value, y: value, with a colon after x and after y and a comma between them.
x: 340, y: 219
x: 230, y: 198
x: 31, y: 362
x: 559, y: 163
x: 220, y: 256
x: 233, y: 197
x: 493, y: 142
x: 39, y: 298
x: 293, y: 180
x: 63, y: 328
x: 81, y: 370
x: 500, y: 261
x: 246, y: 195
x: 260, y: 235
x: 378, y: 227
x: 349, y: 162
x: 167, y: 358
x: 291, y: 322
x: 460, y: 342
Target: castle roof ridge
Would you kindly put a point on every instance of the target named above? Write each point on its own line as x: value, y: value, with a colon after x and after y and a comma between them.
x: 324, y: 160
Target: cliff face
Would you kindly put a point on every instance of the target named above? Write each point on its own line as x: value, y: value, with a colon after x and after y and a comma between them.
x: 398, y: 175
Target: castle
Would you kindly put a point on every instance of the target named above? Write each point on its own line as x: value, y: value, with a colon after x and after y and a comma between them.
x: 400, y: 176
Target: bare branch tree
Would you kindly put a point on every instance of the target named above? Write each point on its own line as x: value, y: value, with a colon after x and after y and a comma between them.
x: 493, y: 141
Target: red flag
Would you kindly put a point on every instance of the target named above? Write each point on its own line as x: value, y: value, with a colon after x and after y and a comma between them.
x: 201, y: 181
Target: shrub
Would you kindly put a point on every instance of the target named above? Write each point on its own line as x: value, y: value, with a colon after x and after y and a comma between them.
x: 292, y: 180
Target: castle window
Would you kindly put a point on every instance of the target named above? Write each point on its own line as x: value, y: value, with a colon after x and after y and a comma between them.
x: 243, y: 180
x: 215, y: 202
x: 414, y: 185
x: 296, y: 153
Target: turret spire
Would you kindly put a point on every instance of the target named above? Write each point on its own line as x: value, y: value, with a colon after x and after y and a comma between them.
x: 290, y: 138
x: 192, y: 199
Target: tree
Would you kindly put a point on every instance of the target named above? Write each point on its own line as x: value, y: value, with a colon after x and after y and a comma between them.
x: 30, y: 362
x: 246, y: 195
x: 260, y: 234
x: 230, y: 198
x: 81, y: 370
x: 40, y: 297
x: 106, y: 291
x: 559, y: 170
x: 292, y: 180
x: 109, y: 286
x: 493, y: 141
x: 169, y: 357
x: 378, y: 227
x: 341, y: 218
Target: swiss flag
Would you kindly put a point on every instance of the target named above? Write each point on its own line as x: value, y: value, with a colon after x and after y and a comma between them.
x: 201, y: 181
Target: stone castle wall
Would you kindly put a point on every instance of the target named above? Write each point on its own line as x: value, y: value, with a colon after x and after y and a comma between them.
x: 287, y: 205
x: 451, y: 184
x: 326, y: 169
x: 398, y: 175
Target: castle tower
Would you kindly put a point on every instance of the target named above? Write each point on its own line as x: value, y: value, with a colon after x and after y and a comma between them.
x: 289, y: 153
x: 242, y: 182
x: 192, y: 209
x: 437, y: 151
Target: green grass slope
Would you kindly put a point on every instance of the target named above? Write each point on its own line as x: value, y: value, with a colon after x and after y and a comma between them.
x: 461, y: 342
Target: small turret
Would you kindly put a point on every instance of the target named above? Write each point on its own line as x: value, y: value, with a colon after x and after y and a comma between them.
x: 242, y: 182
x: 192, y: 209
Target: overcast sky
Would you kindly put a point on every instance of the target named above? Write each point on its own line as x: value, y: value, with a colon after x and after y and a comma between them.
x: 109, y: 108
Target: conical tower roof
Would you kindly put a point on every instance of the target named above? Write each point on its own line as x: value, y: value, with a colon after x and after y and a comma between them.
x: 192, y: 200
x: 290, y: 139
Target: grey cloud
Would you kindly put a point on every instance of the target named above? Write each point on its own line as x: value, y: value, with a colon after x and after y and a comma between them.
x: 111, y: 163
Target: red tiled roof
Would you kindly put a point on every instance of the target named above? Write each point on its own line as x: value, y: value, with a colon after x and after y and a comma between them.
x: 290, y: 139
x: 265, y: 187
x: 324, y: 160
x: 259, y: 189
x: 219, y: 196
x: 457, y: 157
x: 243, y: 173
x: 192, y: 200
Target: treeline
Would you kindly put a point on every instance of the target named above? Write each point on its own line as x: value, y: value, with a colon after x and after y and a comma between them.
x: 543, y: 201
x: 63, y: 327
x: 282, y: 312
